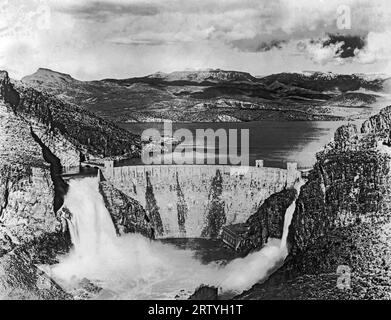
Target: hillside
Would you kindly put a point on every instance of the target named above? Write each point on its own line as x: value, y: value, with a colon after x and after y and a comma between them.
x: 214, y: 95
x: 90, y: 135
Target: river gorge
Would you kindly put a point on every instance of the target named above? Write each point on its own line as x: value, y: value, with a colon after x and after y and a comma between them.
x: 117, y: 233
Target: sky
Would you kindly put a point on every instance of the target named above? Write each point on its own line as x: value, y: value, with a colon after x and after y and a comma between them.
x: 95, y: 39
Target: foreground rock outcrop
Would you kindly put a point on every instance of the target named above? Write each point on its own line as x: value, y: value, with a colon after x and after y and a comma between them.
x: 27, y: 214
x: 20, y: 279
x: 27, y: 193
x: 40, y: 134
x: 127, y: 214
x: 204, y: 292
x: 268, y: 221
x: 33, y: 149
x: 341, y: 230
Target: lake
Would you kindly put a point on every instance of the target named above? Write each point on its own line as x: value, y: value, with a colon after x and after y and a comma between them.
x: 275, y: 142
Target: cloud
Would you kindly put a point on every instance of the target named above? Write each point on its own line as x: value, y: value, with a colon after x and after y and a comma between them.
x: 340, y: 49
x: 108, y: 38
x: 373, y: 48
x: 378, y: 47
x: 104, y: 11
x: 348, y: 45
x: 317, y: 52
x: 274, y: 44
x: 227, y: 21
x: 257, y: 44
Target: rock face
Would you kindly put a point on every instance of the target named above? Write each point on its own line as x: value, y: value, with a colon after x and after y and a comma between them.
x: 30, y: 233
x: 26, y: 187
x: 378, y: 124
x: 341, y: 223
x: 127, y: 214
x: 21, y: 280
x: 60, y: 186
x: 66, y: 128
x: 27, y: 215
x: 268, y: 221
x: 90, y: 135
x: 28, y: 184
x: 205, y: 293
x: 38, y: 135
x: 7, y: 92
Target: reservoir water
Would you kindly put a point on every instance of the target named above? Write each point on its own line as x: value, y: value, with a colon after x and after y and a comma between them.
x: 275, y: 142
x: 278, y: 142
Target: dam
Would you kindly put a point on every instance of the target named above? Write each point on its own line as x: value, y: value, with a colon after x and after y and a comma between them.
x: 196, y: 201
x: 134, y: 267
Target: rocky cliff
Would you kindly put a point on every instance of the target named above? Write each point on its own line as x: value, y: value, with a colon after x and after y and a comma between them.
x: 268, y: 221
x: 40, y: 134
x: 30, y: 233
x: 27, y: 193
x: 128, y: 215
x: 20, y: 279
x: 340, y: 232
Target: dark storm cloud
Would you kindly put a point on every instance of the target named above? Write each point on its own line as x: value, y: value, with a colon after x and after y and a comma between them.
x: 279, y: 39
x: 349, y: 44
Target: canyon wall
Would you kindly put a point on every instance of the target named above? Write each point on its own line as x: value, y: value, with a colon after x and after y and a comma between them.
x: 26, y: 186
x: 38, y: 135
x: 127, y: 214
x: 197, y: 200
x: 268, y: 221
x: 340, y: 232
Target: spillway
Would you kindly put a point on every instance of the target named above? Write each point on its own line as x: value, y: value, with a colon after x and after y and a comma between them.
x: 133, y: 267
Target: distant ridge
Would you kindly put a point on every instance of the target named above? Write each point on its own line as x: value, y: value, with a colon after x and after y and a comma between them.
x: 212, y: 75
x: 45, y: 75
x: 205, y: 75
x: 215, y: 95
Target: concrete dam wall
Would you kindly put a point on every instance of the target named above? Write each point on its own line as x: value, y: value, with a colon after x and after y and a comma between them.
x: 198, y: 200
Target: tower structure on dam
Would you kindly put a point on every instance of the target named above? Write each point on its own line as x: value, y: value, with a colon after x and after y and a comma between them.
x: 243, y: 190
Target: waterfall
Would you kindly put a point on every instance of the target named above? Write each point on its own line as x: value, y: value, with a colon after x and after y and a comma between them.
x: 289, y: 214
x: 93, y: 228
x: 126, y: 267
x: 134, y: 267
x: 241, y: 274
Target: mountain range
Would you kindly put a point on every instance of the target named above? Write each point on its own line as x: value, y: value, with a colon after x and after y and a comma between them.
x: 216, y: 95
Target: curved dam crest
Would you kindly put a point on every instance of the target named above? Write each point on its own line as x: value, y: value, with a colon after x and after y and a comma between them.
x: 198, y: 200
